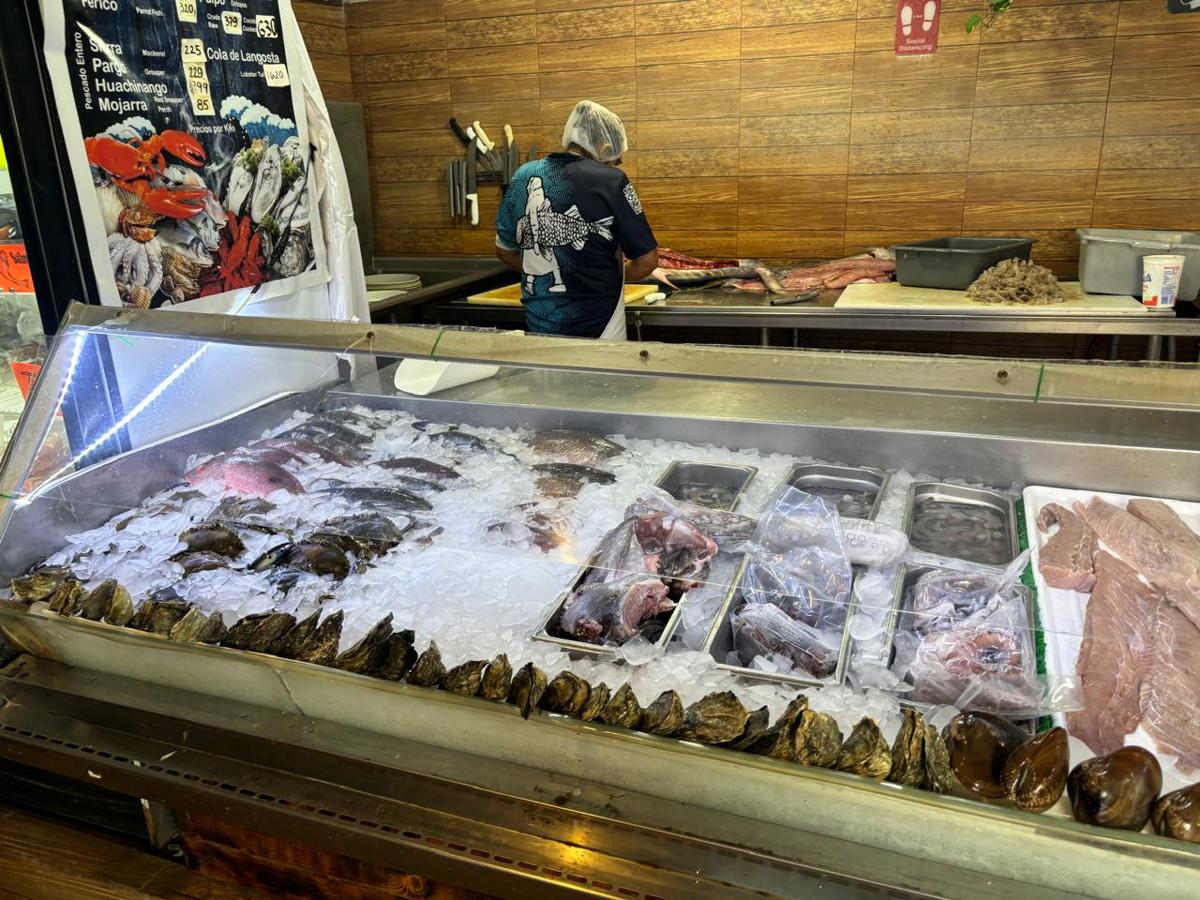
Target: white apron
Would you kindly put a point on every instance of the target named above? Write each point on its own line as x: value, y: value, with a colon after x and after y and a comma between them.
x: 615, y: 329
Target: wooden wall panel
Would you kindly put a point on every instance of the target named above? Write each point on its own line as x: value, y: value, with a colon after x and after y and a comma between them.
x: 788, y: 128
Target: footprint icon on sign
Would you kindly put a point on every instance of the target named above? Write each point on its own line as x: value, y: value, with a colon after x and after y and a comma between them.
x: 927, y: 18
x: 906, y: 17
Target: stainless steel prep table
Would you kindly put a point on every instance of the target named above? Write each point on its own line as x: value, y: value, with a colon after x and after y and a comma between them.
x: 399, y: 775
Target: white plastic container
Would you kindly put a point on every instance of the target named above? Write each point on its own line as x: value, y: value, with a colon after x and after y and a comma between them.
x: 1161, y: 276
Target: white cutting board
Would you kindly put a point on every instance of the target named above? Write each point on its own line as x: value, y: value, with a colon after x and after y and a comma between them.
x: 1062, y: 612
x: 895, y: 297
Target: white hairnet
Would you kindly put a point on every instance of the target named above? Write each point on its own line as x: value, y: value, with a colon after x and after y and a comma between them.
x: 597, y: 130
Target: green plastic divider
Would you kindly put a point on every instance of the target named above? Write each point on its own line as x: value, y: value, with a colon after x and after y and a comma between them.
x: 1027, y: 579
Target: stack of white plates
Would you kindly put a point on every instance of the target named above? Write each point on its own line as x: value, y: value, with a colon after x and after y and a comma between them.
x: 393, y: 281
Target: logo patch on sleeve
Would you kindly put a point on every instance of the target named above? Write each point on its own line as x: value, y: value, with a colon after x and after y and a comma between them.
x: 632, y: 198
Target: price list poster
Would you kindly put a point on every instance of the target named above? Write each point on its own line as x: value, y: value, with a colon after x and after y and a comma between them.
x: 193, y: 169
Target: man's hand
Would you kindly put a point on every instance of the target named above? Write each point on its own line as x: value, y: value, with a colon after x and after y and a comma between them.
x: 638, y: 269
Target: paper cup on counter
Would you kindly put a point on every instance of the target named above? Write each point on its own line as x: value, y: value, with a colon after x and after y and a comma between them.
x: 1160, y: 280
x: 426, y: 376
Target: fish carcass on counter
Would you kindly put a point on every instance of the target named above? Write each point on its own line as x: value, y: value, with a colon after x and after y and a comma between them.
x: 672, y: 259
x: 613, y: 611
x: 1066, y: 559
x: 1117, y: 633
x: 835, y: 274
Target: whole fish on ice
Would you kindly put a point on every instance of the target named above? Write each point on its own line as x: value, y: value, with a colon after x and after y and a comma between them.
x: 244, y: 475
x: 613, y: 610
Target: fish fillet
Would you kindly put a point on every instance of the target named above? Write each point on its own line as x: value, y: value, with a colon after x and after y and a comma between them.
x: 1168, y: 565
x: 1113, y: 660
x: 1170, y: 693
x: 1065, y: 560
x: 1166, y: 522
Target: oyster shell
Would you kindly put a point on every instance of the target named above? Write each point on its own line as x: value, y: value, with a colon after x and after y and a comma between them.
x: 194, y: 561
x: 528, y: 685
x: 214, y: 630
x: 189, y: 626
x: 623, y: 710
x: 866, y: 752
x: 321, y: 646
x: 979, y: 746
x: 120, y: 609
x: 714, y: 719
x: 1035, y: 774
x: 261, y: 632
x: 939, y: 777
x: 596, y: 702
x: 1177, y: 814
x: 776, y: 742
x: 158, y: 617
x: 466, y: 678
x: 289, y: 647
x: 566, y: 693
x: 757, y: 723
x: 908, y: 751
x: 368, y: 655
x: 39, y: 585
x: 664, y: 716
x: 428, y: 670
x: 67, y: 599
x: 817, y: 740
x: 213, y: 537
x: 401, y: 656
x: 99, y: 600
x: 497, y: 679
x: 1117, y: 790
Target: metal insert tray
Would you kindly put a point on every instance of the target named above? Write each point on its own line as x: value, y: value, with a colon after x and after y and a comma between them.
x: 995, y: 553
x: 548, y: 625
x: 827, y: 481
x: 682, y: 475
x: 720, y: 642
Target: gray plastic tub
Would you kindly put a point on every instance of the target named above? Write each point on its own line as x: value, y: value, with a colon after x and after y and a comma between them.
x: 954, y: 262
x: 1110, y: 259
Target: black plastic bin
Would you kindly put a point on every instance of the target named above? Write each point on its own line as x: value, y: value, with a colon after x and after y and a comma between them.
x: 954, y: 262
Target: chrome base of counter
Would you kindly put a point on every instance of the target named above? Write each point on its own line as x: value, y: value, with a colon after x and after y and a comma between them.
x: 464, y: 820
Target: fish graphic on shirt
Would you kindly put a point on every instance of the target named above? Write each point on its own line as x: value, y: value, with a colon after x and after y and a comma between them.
x: 544, y: 228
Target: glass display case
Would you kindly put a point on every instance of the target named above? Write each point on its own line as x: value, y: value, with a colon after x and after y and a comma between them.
x: 837, y: 591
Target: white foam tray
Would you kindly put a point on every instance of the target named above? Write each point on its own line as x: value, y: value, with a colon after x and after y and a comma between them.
x: 1062, y: 612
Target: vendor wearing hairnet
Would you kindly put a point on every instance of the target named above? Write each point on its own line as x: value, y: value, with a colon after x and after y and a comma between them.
x: 573, y: 226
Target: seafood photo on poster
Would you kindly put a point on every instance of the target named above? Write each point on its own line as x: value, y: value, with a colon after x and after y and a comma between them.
x: 186, y: 115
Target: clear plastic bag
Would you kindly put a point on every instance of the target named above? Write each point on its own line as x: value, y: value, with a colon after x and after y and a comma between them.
x: 943, y: 597
x: 763, y: 630
x: 871, y: 543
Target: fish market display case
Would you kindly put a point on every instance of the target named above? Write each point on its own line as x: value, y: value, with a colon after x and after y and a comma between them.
x: 492, y: 634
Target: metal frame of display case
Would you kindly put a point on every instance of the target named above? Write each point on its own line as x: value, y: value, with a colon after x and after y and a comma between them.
x: 398, y: 775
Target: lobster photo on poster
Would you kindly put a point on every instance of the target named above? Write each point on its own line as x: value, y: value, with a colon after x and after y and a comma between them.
x: 193, y: 167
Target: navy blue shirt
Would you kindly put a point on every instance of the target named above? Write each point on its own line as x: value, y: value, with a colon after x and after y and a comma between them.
x: 568, y: 216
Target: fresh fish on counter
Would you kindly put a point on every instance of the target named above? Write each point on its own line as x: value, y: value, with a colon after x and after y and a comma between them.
x: 832, y: 275
x: 1170, y: 692
x: 558, y: 480
x: 422, y: 466
x: 301, y: 446
x: 674, y: 548
x: 613, y: 611
x: 1165, y: 521
x: 581, y: 448
x: 394, y: 499
x: 245, y: 476
x: 672, y: 259
x: 1066, y: 559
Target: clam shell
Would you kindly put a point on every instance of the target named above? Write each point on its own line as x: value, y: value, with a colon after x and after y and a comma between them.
x: 465, y: 679
x: 528, y: 685
x: 908, y: 751
x: 1035, y: 774
x: 566, y: 693
x: 597, y: 700
x: 817, y: 740
x: 664, y: 716
x: 623, y: 710
x: 497, y: 679
x: 714, y: 719
x: 1177, y: 814
x: 757, y: 724
x: 368, y: 655
x: 979, y: 746
x: 1117, y: 790
x: 401, y: 656
x: 428, y: 670
x: 866, y: 752
x: 939, y: 777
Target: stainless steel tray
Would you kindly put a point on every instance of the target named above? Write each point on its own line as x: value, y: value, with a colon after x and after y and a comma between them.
x: 931, y: 494
x: 720, y: 642
x: 583, y: 648
x: 717, y: 475
x: 823, y: 478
